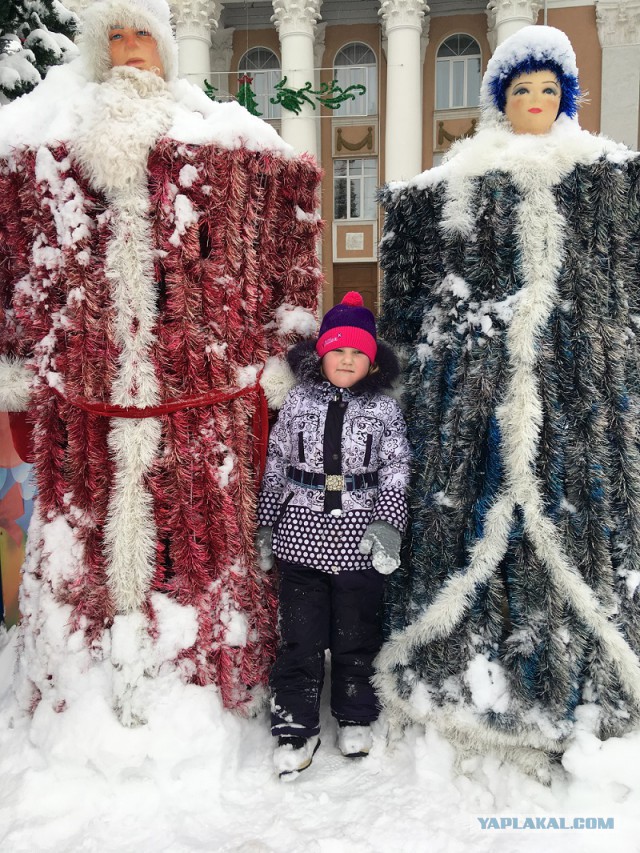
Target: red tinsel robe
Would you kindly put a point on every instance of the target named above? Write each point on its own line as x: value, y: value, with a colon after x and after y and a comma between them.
x: 137, y: 269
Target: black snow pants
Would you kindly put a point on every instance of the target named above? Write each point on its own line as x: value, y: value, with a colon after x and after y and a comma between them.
x: 318, y: 611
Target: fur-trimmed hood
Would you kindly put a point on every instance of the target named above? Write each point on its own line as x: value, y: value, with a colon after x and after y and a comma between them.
x: 306, y: 365
x: 100, y: 17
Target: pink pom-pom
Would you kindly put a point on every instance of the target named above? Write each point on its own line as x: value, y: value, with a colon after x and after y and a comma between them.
x: 353, y: 298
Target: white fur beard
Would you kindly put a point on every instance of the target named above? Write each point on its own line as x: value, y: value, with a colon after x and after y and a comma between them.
x: 131, y: 111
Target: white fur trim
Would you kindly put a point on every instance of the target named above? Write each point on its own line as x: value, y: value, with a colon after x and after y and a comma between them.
x: 547, y: 158
x: 539, y: 228
x: 131, y: 111
x: 130, y: 530
x: 277, y: 380
x: 101, y: 16
x: 118, y: 127
x: 532, y: 757
x: 457, y: 593
x: 467, y: 731
x: 15, y: 384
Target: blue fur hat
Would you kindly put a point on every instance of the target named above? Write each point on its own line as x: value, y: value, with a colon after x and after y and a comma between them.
x: 532, y: 49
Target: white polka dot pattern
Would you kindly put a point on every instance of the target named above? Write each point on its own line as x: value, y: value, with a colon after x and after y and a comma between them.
x: 373, y: 439
x: 322, y: 541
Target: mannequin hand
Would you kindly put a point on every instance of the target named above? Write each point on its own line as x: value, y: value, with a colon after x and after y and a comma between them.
x: 264, y: 547
x: 382, y: 541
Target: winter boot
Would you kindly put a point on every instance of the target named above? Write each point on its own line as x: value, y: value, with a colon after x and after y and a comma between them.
x: 293, y: 755
x: 354, y: 741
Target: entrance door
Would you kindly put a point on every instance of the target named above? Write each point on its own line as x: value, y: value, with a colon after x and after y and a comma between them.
x: 360, y: 277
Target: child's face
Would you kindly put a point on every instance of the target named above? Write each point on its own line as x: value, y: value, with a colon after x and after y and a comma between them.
x: 345, y: 366
x: 135, y: 48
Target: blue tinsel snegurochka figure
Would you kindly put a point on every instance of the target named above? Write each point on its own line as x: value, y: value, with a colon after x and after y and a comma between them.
x: 332, y: 511
x: 511, y: 280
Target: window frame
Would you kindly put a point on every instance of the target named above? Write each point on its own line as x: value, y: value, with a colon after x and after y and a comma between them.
x: 461, y: 58
x: 364, y: 181
x: 353, y: 107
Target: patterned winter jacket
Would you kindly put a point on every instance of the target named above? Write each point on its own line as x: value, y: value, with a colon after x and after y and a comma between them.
x: 373, y: 447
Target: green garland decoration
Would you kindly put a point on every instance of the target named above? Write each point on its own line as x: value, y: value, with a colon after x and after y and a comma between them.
x: 246, y: 96
x: 330, y: 95
x: 209, y: 90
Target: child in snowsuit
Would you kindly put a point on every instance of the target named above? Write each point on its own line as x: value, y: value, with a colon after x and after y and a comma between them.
x: 332, y: 511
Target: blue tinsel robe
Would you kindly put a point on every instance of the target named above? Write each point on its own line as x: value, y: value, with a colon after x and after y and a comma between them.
x: 511, y: 280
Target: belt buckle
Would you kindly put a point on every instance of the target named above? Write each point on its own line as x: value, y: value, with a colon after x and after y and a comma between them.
x: 334, y: 483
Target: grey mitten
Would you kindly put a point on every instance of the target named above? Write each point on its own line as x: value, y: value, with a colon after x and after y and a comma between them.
x: 382, y: 541
x: 264, y: 547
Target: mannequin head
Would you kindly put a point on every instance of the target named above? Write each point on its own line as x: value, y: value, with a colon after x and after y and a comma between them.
x: 528, y: 55
x: 135, y: 48
x: 132, y: 33
x: 533, y: 101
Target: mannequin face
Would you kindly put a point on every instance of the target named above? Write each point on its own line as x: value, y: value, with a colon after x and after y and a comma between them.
x: 533, y: 101
x: 346, y: 366
x: 136, y: 49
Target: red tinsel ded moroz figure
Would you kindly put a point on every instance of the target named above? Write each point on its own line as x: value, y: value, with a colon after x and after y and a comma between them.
x: 156, y: 249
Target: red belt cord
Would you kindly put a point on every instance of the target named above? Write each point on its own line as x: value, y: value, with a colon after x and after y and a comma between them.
x: 260, y: 419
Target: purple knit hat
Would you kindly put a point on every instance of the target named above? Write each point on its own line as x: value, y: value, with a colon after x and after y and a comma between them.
x: 348, y: 324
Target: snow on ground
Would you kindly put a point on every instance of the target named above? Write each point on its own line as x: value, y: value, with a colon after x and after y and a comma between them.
x: 197, y: 778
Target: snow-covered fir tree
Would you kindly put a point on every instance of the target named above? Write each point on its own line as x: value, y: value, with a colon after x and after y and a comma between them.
x: 34, y: 35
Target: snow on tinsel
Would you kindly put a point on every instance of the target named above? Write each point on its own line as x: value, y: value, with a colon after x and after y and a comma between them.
x: 510, y: 280
x: 142, y: 506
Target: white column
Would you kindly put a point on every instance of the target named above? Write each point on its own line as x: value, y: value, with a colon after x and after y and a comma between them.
x: 619, y: 33
x: 221, y: 49
x: 506, y: 17
x: 402, y: 22
x: 194, y: 20
x: 220, y: 55
x: 295, y: 21
x: 318, y: 57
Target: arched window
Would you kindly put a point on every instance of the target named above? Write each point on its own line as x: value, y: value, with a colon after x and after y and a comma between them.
x: 356, y: 63
x: 264, y: 66
x: 458, y: 73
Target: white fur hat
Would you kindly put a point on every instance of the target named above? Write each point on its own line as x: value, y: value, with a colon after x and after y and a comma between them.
x: 101, y: 16
x: 530, y: 49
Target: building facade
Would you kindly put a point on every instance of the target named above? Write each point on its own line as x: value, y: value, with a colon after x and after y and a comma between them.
x: 420, y: 65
